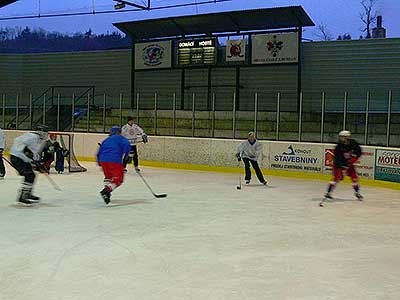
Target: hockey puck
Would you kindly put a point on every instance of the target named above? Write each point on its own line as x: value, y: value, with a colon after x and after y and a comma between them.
x: 238, y: 187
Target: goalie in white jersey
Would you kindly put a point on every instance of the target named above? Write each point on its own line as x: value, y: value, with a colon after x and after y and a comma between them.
x: 132, y: 131
x: 26, y: 151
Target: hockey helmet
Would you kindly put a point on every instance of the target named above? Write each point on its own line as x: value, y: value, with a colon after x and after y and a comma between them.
x: 115, y: 130
x: 345, y: 133
x: 42, y: 131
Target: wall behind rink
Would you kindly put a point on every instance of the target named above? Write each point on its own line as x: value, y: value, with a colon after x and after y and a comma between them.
x: 219, y: 154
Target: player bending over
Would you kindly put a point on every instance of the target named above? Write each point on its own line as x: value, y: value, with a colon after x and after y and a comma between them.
x: 52, y: 148
x: 2, y: 168
x: 347, y: 152
x: 110, y: 157
x: 25, y: 152
x: 250, y: 151
x: 131, y: 131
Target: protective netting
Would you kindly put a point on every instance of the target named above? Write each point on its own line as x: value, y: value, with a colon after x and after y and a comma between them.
x: 67, y: 142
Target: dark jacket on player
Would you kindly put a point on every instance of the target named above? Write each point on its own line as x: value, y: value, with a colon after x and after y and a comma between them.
x: 346, y: 155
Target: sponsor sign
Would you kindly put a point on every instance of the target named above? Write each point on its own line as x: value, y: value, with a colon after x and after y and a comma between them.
x: 275, y: 48
x: 153, y: 55
x: 235, y: 50
x: 296, y: 157
x: 387, y: 165
x: 364, y: 166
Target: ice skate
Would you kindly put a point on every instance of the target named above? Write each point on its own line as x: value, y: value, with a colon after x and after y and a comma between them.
x: 247, y: 181
x: 33, y: 198
x: 106, y: 195
x: 328, y: 196
x: 359, y: 196
x: 137, y: 169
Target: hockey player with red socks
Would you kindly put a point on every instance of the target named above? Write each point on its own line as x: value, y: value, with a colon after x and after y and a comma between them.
x: 110, y: 157
x: 347, y: 153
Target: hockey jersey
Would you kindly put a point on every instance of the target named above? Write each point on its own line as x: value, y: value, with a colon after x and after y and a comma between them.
x: 27, y: 147
x: 113, y: 149
x: 131, y: 132
x: 346, y: 153
x: 2, y: 143
x: 250, y: 150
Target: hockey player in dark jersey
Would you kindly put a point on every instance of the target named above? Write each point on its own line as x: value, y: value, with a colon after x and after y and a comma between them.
x: 347, y: 153
x: 52, y: 148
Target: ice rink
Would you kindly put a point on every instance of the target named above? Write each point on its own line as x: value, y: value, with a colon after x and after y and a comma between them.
x: 206, y: 241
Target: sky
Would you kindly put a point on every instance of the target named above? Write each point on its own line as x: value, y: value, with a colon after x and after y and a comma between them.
x: 339, y: 16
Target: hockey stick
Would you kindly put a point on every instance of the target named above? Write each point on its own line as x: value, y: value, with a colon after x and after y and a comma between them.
x: 151, y: 190
x: 52, y: 182
x: 239, y: 186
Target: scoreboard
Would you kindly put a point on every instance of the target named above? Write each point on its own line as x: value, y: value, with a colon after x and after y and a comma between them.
x: 197, y: 52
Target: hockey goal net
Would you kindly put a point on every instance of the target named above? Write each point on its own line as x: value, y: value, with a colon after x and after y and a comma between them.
x: 66, y: 141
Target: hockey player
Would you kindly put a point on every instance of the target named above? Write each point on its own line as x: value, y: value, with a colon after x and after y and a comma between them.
x: 2, y: 144
x: 26, y: 151
x: 52, y: 148
x: 347, y: 152
x: 110, y: 157
x: 250, y: 151
x: 131, y: 131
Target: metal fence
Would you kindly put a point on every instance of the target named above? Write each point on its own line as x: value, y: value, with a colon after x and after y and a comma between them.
x: 315, y: 118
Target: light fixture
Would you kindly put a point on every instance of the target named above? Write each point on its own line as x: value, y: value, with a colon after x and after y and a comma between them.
x: 119, y: 5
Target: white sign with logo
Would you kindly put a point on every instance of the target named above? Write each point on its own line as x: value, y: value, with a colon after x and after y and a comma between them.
x: 364, y: 166
x: 296, y: 157
x: 235, y: 50
x: 387, y: 165
x: 153, y: 55
x: 275, y: 48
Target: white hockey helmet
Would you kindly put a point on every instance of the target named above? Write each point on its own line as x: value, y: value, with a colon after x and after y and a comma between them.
x: 345, y: 133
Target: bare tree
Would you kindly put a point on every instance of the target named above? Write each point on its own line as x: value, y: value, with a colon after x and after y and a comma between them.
x: 322, y: 33
x: 368, y: 16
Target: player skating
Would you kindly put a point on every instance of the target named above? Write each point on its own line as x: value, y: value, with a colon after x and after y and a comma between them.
x: 2, y: 144
x: 347, y: 152
x: 250, y: 152
x: 26, y: 151
x: 110, y: 157
x: 131, y: 131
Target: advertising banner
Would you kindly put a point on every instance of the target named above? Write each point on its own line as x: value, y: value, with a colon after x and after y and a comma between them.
x: 235, y: 50
x: 153, y: 55
x: 387, y: 165
x: 275, y: 48
x: 364, y: 166
x: 296, y: 157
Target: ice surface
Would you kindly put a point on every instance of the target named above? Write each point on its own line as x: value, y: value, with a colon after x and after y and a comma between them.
x: 206, y: 241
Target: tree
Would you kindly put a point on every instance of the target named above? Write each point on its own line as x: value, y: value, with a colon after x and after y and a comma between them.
x: 368, y: 16
x: 322, y: 33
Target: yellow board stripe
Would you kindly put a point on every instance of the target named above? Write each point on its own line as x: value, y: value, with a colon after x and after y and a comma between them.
x: 279, y: 173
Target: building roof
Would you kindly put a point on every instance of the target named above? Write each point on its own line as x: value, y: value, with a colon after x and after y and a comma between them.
x: 222, y: 22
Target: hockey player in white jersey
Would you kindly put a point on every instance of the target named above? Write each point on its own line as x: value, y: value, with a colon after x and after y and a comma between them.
x: 250, y: 151
x: 2, y: 144
x: 26, y: 151
x: 132, y: 131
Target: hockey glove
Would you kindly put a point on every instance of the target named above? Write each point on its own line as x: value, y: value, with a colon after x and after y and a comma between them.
x: 239, y: 158
x: 353, y: 160
x: 39, y: 166
x: 144, y: 138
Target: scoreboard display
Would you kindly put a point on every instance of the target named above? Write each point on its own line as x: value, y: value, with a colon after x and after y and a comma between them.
x: 197, y: 52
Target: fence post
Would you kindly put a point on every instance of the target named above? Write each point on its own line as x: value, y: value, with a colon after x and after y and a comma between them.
x: 174, y: 113
x: 44, y: 109
x: 137, y: 107
x: 4, y: 110
x: 300, y: 115
x: 88, y: 114
x: 345, y: 110
x: 255, y: 112
x: 120, y: 109
x: 278, y: 115
x: 72, y: 113
x: 234, y: 116
x: 213, y: 116
x: 193, y: 112
x: 58, y: 112
x: 322, y: 116
x: 367, y: 118
x: 17, y: 112
x: 104, y: 111
x: 30, y: 111
x: 155, y: 113
x: 389, y: 119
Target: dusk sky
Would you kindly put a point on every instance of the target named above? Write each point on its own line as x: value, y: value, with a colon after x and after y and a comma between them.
x: 340, y: 16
